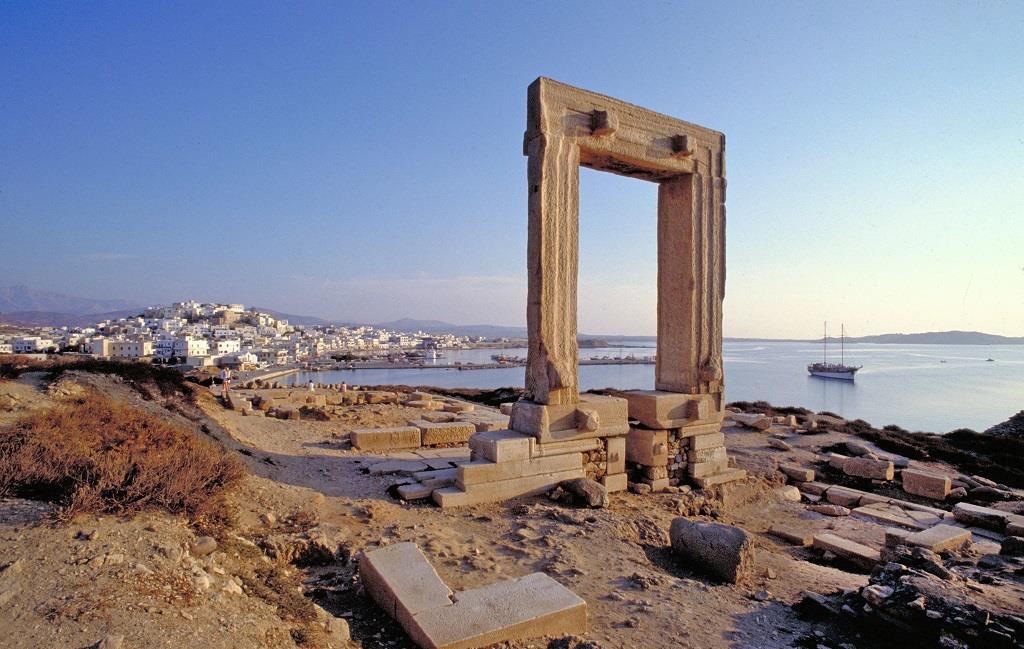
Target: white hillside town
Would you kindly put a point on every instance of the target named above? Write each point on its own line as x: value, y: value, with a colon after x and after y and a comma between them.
x: 195, y: 334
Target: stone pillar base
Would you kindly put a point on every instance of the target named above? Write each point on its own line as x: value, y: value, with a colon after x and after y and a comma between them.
x: 657, y: 409
x: 594, y: 416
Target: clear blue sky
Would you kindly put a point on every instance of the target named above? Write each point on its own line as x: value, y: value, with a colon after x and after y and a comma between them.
x: 363, y: 161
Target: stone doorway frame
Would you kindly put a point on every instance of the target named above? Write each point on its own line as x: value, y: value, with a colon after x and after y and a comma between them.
x: 568, y: 127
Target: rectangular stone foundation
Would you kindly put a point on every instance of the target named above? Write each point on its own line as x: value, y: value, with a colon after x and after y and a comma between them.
x: 659, y: 409
x: 594, y: 416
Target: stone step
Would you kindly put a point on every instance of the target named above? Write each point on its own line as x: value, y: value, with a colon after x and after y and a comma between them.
x: 547, y: 449
x: 729, y: 475
x: 502, y: 446
x: 489, y: 492
x: 481, y: 471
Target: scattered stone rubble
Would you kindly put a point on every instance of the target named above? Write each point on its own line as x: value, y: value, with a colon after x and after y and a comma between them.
x: 929, y: 590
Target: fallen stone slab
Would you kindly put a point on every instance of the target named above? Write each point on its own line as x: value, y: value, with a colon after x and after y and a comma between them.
x: 414, y: 491
x: 397, y: 467
x: 755, y: 421
x: 939, y: 538
x: 987, y: 517
x: 724, y: 551
x: 814, y: 488
x: 926, y: 483
x: 857, y: 449
x: 531, y: 606
x: 843, y: 496
x: 863, y: 467
x: 888, y: 514
x: 792, y: 534
x: 858, y: 554
x: 404, y: 584
x: 383, y: 439
x: 797, y: 473
x: 778, y: 444
x: 826, y: 509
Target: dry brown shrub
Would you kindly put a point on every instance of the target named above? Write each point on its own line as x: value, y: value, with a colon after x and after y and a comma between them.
x: 93, y: 454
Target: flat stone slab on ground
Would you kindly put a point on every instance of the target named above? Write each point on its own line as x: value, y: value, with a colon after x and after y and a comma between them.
x: 400, y: 467
x: 856, y: 553
x: 404, y: 584
x: 792, y: 534
x: 894, y: 515
x: 969, y: 514
x: 940, y: 537
x: 531, y: 606
x: 446, y: 453
x: 843, y: 496
x: 797, y: 473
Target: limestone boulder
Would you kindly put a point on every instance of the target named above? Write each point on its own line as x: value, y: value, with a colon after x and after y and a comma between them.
x: 725, y: 551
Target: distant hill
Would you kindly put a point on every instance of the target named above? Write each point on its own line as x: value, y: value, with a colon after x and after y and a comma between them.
x: 22, y: 299
x: 936, y: 338
x: 54, y: 319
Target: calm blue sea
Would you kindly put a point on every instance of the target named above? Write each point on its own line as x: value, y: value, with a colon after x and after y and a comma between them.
x: 907, y: 385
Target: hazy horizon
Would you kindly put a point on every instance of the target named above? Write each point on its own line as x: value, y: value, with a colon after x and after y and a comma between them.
x: 364, y: 163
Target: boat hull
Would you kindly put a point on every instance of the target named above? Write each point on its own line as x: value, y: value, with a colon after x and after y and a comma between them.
x: 842, y: 376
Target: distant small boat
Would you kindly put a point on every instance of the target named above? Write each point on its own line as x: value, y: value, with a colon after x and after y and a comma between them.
x: 990, y: 360
x: 838, y: 370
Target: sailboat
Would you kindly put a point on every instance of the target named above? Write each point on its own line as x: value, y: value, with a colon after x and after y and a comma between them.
x: 838, y: 370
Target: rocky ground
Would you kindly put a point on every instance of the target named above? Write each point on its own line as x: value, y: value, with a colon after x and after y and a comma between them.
x: 310, y: 505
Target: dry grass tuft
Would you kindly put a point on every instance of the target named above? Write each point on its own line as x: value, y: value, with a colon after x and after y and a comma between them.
x: 95, y: 455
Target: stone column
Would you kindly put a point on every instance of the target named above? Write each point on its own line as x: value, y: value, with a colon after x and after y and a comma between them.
x: 691, y: 248
x: 552, y: 266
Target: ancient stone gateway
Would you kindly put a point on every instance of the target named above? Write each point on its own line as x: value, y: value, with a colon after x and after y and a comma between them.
x: 556, y: 432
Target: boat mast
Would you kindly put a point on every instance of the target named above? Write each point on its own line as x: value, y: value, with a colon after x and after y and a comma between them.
x: 842, y: 344
x: 824, y: 345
